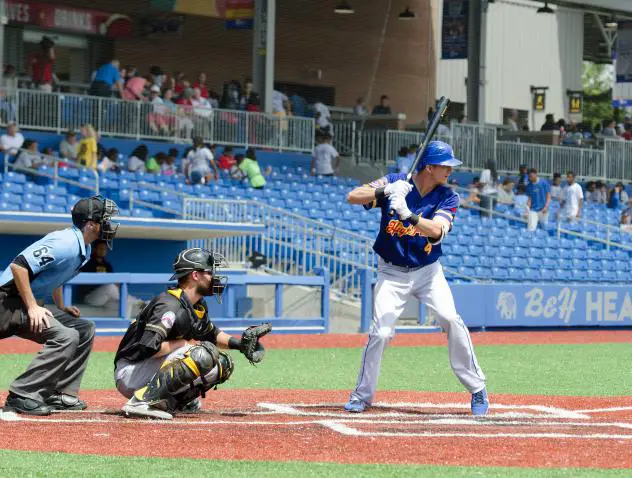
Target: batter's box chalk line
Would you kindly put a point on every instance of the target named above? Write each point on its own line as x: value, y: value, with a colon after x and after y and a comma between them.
x: 393, y: 410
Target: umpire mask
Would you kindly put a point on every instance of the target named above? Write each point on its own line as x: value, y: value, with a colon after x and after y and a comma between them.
x: 199, y: 259
x: 99, y: 210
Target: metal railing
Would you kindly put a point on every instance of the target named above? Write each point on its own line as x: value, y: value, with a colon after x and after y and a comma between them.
x: 476, y: 144
x: 58, y: 112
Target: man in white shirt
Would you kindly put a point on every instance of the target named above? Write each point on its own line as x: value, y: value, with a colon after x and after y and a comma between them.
x: 11, y: 142
x: 573, y: 199
x: 200, y: 160
x: 201, y: 105
x: 324, y: 155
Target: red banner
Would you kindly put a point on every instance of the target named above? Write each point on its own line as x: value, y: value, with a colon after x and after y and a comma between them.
x: 57, y: 17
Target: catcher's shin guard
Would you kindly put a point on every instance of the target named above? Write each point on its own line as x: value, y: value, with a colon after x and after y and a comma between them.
x: 181, y: 380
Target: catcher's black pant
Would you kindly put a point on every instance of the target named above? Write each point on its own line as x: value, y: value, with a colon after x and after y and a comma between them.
x: 60, y: 365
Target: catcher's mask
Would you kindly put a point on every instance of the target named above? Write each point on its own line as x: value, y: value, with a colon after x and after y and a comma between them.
x: 99, y: 210
x: 199, y: 259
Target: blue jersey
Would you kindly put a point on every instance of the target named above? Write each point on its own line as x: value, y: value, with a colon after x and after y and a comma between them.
x: 399, y: 242
x: 537, y: 193
x: 54, y: 260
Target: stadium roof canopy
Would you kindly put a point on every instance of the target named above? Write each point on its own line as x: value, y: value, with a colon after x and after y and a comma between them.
x: 599, y: 6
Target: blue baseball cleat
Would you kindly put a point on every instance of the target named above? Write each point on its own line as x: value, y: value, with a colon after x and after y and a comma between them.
x: 355, y: 406
x: 480, y: 403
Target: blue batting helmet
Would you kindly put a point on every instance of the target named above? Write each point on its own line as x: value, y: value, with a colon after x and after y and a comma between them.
x: 438, y: 153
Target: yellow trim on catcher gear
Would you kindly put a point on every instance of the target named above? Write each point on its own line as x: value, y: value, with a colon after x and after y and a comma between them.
x: 189, y: 362
x: 140, y: 393
x: 198, y: 308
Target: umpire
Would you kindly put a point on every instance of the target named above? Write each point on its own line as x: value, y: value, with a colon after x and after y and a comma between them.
x: 52, y: 380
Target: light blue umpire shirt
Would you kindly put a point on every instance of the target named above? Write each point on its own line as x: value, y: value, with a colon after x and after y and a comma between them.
x: 54, y: 260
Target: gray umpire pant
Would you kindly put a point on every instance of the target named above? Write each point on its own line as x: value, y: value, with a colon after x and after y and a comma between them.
x: 60, y: 364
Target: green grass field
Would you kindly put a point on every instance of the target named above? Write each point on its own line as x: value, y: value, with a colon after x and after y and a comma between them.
x: 573, y: 370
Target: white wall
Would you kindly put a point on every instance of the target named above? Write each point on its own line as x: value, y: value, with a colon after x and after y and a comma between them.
x: 523, y: 49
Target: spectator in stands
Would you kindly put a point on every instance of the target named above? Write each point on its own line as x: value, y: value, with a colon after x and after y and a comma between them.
x: 322, y: 115
x: 152, y: 165
x: 105, y: 295
x: 403, y: 161
x: 617, y: 196
x: 29, y: 156
x: 512, y: 121
x: 110, y: 161
x: 626, y: 215
x: 156, y: 76
x: 523, y: 175
x: 185, y: 98
x: 360, y: 108
x: 88, y: 147
x: 539, y: 194
x: 227, y: 159
x: 8, y: 87
x: 298, y: 104
x: 602, y: 189
x: 134, y: 89
x: 159, y: 119
x: 106, y: 78
x: 383, y: 108
x: 549, y: 123
x: 168, y: 167
x: 556, y: 188
x: 521, y: 201
x: 136, y: 162
x: 627, y: 133
x: 488, y: 184
x: 247, y: 92
x: 200, y: 160
x: 180, y: 83
x: 201, y: 85
x: 572, y: 199
x: 609, y: 128
x: 324, y: 155
x: 251, y: 170
x: 592, y: 194
x: 41, y: 65
x: 280, y: 104
x: 128, y: 73
x: 12, y: 141
x: 443, y: 129
x: 201, y: 105
x: 505, y: 192
x: 69, y: 147
x: 472, y: 198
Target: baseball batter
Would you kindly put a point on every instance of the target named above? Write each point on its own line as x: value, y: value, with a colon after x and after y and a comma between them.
x: 409, y: 248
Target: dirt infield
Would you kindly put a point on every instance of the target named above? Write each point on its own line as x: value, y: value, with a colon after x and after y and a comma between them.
x: 109, y: 344
x: 405, y: 427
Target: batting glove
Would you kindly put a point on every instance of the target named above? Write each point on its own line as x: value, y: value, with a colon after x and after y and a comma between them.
x: 398, y: 187
x: 398, y: 204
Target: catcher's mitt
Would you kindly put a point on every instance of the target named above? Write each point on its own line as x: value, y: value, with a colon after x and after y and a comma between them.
x: 250, y: 345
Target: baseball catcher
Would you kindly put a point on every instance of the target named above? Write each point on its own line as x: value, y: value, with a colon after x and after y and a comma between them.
x: 171, y: 354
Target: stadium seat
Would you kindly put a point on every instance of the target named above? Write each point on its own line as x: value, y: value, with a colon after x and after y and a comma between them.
x: 55, y: 209
x: 499, y: 273
x: 34, y: 199
x: 547, y: 274
x: 28, y: 207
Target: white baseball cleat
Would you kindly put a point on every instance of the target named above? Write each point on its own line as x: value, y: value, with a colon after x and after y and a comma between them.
x: 136, y: 408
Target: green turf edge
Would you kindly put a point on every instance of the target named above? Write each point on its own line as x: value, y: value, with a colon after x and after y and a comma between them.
x: 571, y: 370
x: 35, y: 464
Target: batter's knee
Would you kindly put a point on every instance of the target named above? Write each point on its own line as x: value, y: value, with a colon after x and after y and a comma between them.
x: 382, y: 333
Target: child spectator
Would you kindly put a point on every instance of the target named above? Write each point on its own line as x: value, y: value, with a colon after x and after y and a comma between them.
x: 521, y: 201
x: 505, y: 192
x: 29, y: 156
x: 556, y: 188
x: 168, y: 167
x: 109, y: 161
x: 69, y: 147
x: 324, y: 155
x: 617, y: 196
x: 592, y: 194
x: 227, y: 160
x: 88, y: 147
x: 136, y: 162
x: 153, y: 163
x: 252, y: 171
x: 603, y: 192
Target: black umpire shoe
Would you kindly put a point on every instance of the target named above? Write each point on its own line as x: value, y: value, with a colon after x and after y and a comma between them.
x: 63, y: 402
x: 27, y: 406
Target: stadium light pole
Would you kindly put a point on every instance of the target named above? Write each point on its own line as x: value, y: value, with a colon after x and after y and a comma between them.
x: 263, y: 50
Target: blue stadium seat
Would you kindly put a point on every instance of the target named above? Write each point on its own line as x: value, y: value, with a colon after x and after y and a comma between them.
x: 563, y: 275
x: 58, y: 190
x: 499, y: 273
x: 498, y: 261
x: 547, y: 274
x: 503, y: 251
x: 34, y: 189
x: 549, y: 262
x: 531, y: 274
x: 8, y: 206
x: 13, y: 177
x: 27, y: 207
x: 470, y: 261
x: 483, y: 273
x: 141, y: 212
x: 11, y: 187
x: 34, y: 199
x: 11, y: 197
x: 52, y: 208
x: 579, y: 264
